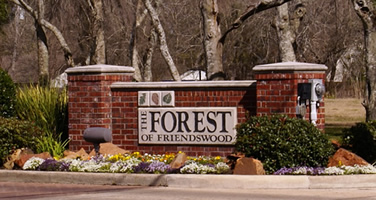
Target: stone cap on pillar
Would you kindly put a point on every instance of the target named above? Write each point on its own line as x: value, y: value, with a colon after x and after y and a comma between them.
x: 290, y: 67
x: 99, y: 69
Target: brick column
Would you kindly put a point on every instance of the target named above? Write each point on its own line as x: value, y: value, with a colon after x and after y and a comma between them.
x: 277, y: 88
x: 90, y: 99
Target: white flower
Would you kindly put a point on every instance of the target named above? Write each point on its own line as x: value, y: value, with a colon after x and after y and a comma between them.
x: 334, y: 171
x: 356, y: 169
x: 33, y: 163
x: 124, y: 166
x: 194, y: 168
x: 300, y: 171
x: 191, y: 168
x: 222, y: 167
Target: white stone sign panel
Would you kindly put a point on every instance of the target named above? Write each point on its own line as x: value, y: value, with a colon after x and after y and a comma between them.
x: 187, y: 125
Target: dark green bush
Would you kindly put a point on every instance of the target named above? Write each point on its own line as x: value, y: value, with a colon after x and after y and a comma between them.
x: 7, y: 95
x: 15, y: 134
x: 361, y: 139
x: 279, y: 141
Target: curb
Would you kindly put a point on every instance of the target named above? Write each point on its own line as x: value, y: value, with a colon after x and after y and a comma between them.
x: 193, y: 181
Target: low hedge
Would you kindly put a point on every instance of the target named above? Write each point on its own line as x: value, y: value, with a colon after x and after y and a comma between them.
x: 361, y: 139
x: 15, y: 134
x: 7, y: 95
x: 279, y: 141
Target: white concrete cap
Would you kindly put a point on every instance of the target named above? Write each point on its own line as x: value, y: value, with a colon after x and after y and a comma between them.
x: 290, y: 66
x: 184, y: 84
x: 100, y: 68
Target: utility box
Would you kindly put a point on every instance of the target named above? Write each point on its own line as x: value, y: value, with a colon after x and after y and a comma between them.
x: 317, y: 89
x: 304, y: 91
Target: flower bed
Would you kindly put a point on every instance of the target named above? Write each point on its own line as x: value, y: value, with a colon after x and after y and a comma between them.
x: 160, y: 164
x: 340, y: 170
x: 131, y: 163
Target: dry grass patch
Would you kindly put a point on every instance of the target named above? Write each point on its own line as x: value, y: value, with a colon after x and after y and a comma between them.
x: 344, y: 111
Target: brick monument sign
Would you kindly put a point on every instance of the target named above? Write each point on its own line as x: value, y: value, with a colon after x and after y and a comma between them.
x: 196, y: 117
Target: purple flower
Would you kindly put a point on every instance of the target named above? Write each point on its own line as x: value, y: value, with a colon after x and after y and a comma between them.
x: 98, y: 158
x: 284, y: 171
x: 50, y: 165
x: 304, y: 170
x: 64, y: 166
x: 210, y: 165
x: 158, y: 167
x: 153, y: 167
x: 141, y: 168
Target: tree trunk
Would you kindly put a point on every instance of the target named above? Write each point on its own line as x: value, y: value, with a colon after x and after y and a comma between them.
x: 212, y: 34
x: 366, y: 11
x: 42, y: 46
x: 99, y: 48
x: 148, y: 75
x: 16, y: 39
x: 287, y: 28
x: 139, y: 17
x: 285, y: 34
x: 162, y: 40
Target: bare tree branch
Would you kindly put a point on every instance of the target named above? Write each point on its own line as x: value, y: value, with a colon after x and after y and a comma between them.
x: 255, y: 7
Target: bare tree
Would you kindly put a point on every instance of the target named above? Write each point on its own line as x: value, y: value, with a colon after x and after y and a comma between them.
x: 143, y: 70
x: 212, y: 36
x: 44, y: 23
x: 367, y: 12
x: 162, y: 40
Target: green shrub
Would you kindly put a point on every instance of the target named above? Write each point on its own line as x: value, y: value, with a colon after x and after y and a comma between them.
x: 7, y: 95
x: 45, y: 106
x: 15, y: 134
x: 49, y: 143
x: 278, y: 141
x: 361, y: 139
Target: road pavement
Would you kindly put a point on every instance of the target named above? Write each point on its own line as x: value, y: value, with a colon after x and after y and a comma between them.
x: 39, y: 191
x: 19, y: 184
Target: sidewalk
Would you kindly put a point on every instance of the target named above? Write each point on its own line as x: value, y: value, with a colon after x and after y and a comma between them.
x: 193, y: 181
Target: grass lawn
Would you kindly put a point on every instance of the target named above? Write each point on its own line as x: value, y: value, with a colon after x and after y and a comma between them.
x: 342, y: 113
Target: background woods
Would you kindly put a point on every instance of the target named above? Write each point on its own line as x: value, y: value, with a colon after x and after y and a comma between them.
x: 124, y: 33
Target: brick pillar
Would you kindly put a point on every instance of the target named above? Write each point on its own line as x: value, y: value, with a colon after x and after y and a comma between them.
x: 90, y: 100
x: 277, y: 88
